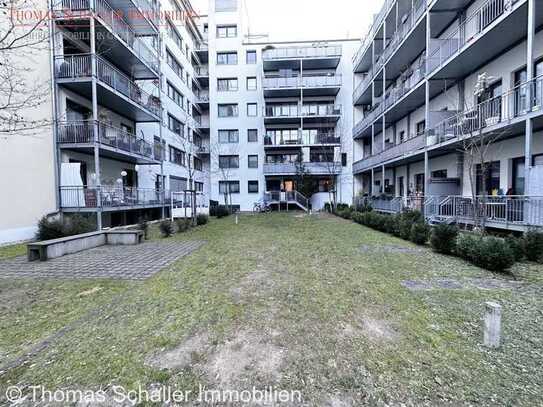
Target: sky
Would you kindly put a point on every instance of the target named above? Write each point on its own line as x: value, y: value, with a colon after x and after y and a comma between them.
x: 297, y: 20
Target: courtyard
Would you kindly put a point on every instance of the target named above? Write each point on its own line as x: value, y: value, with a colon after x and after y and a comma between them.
x: 343, y: 314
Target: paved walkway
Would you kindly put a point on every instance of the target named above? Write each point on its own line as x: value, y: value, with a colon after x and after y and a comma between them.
x: 137, y: 262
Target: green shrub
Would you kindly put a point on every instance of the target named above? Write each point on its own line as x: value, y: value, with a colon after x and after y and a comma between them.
x: 69, y: 226
x: 443, y: 239
x: 222, y: 211
x: 420, y: 233
x: 183, y: 225
x: 491, y: 253
x: 406, y: 220
x: 202, y: 219
x: 517, y: 246
x: 390, y: 225
x: 143, y: 225
x: 357, y: 217
x: 166, y: 228
x: 533, y: 245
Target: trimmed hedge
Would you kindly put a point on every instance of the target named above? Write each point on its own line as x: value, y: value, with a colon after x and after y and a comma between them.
x: 420, y: 233
x: 76, y: 224
x: 166, y: 228
x: 183, y: 225
x: 489, y: 252
x: 202, y: 219
x: 533, y: 245
x: 443, y: 239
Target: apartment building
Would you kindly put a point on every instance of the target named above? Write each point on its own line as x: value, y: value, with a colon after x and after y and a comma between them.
x: 430, y: 76
x: 278, y: 110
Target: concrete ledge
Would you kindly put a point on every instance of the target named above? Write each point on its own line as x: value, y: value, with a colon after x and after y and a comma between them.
x: 50, y: 249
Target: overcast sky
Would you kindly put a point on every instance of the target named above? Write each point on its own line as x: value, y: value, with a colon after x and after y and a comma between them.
x: 307, y: 19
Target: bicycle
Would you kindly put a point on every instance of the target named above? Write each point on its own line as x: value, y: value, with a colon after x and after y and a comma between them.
x: 261, y: 207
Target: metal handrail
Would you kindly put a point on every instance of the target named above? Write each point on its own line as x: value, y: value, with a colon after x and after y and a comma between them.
x: 302, y: 82
x: 322, y: 110
x: 301, y: 139
x: 302, y: 52
x: 395, y: 94
x: 115, y: 196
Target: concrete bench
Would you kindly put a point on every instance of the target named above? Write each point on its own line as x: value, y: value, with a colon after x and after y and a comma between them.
x: 50, y: 249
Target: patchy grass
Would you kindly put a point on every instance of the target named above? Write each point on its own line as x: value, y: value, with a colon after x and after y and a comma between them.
x: 7, y: 252
x: 299, y: 303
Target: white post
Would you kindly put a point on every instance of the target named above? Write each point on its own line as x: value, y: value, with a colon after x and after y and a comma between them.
x: 237, y: 220
x: 492, y: 324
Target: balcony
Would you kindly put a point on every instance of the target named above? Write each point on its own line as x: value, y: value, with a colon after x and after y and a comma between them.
x: 114, y: 143
x: 363, y: 127
x: 392, y: 152
x: 407, y: 95
x: 313, y: 168
x: 362, y: 59
x: 323, y: 85
x: 279, y: 140
x: 317, y: 57
x: 115, y: 90
x: 109, y: 198
x: 292, y: 114
x: 202, y: 97
x: 486, y: 34
x: 509, y: 110
x: 132, y: 54
x: 362, y: 93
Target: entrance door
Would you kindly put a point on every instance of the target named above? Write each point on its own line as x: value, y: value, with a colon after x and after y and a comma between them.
x: 401, y: 187
x: 518, y: 176
x: 288, y: 186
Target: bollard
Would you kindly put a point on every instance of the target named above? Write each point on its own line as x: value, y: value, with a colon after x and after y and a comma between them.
x: 236, y: 218
x: 492, y: 324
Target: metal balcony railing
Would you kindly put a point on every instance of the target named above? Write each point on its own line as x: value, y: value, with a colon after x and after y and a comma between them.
x: 364, y: 84
x: 314, y: 168
x: 115, y: 22
x: 82, y: 132
x: 302, y: 52
x: 202, y: 97
x: 468, y: 31
x: 201, y: 70
x: 516, y: 103
x: 308, y: 110
x: 302, y: 139
x: 80, y: 66
x: 117, y: 196
x: 412, y: 78
x: 324, y: 81
x: 368, y: 119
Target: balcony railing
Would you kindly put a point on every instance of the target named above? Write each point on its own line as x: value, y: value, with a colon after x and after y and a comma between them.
x: 416, y: 76
x: 201, y: 70
x: 80, y: 66
x: 302, y: 139
x: 364, y: 84
x: 324, y: 81
x: 109, y: 197
x: 401, y: 33
x: 302, y: 52
x: 468, y: 31
x: 516, y: 103
x: 115, y: 22
x: 278, y: 111
x: 392, y: 151
x: 202, y: 97
x: 82, y: 132
x: 368, y: 119
x: 313, y: 168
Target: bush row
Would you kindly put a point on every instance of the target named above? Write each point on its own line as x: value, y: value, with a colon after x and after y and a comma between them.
x: 220, y: 211
x: 489, y: 252
x: 168, y: 228
x: 56, y: 228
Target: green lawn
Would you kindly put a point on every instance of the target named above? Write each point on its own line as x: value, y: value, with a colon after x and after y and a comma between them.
x: 308, y: 303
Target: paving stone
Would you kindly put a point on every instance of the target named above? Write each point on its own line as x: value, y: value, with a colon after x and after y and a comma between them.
x: 137, y: 262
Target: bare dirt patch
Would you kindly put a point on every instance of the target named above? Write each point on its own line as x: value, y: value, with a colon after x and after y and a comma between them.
x: 376, y: 330
x: 390, y: 249
x: 185, y: 355
x: 463, y: 284
x: 245, y: 359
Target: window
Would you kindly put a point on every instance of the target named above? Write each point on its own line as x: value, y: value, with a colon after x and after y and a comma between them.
x: 226, y: 5
x: 228, y: 110
x: 177, y: 156
x: 252, y: 109
x: 227, y: 84
x: 492, y: 178
x: 251, y: 83
x: 252, y: 161
x: 401, y: 137
x: 227, y: 31
x: 226, y: 187
x: 252, y: 187
x: 439, y: 174
x: 251, y: 57
x: 175, y: 36
x: 419, y: 183
x: 227, y: 58
x: 228, y: 161
x: 343, y: 159
x: 421, y: 127
x: 175, y: 125
x: 199, y: 186
x: 174, y: 94
x: 178, y: 184
x: 252, y: 136
x: 228, y: 136
x: 197, y: 164
x: 174, y: 64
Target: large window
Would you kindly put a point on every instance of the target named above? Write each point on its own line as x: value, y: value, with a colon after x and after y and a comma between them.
x: 177, y: 184
x: 199, y: 186
x: 252, y: 187
x: 252, y: 109
x: 252, y: 136
x: 175, y: 95
x: 227, y: 84
x: 174, y: 64
x: 228, y: 136
x: 491, y: 175
x: 251, y: 57
x: 421, y: 127
x: 228, y: 110
x: 227, y: 31
x: 197, y: 164
x: 226, y: 187
x: 226, y: 5
x: 175, y: 125
x: 251, y: 83
x: 228, y: 161
x: 252, y: 161
x: 177, y: 156
x: 227, y: 58
x: 175, y: 36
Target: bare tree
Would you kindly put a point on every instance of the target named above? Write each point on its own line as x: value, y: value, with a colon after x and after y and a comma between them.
x: 225, y: 172
x: 24, y: 43
x: 191, y: 149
